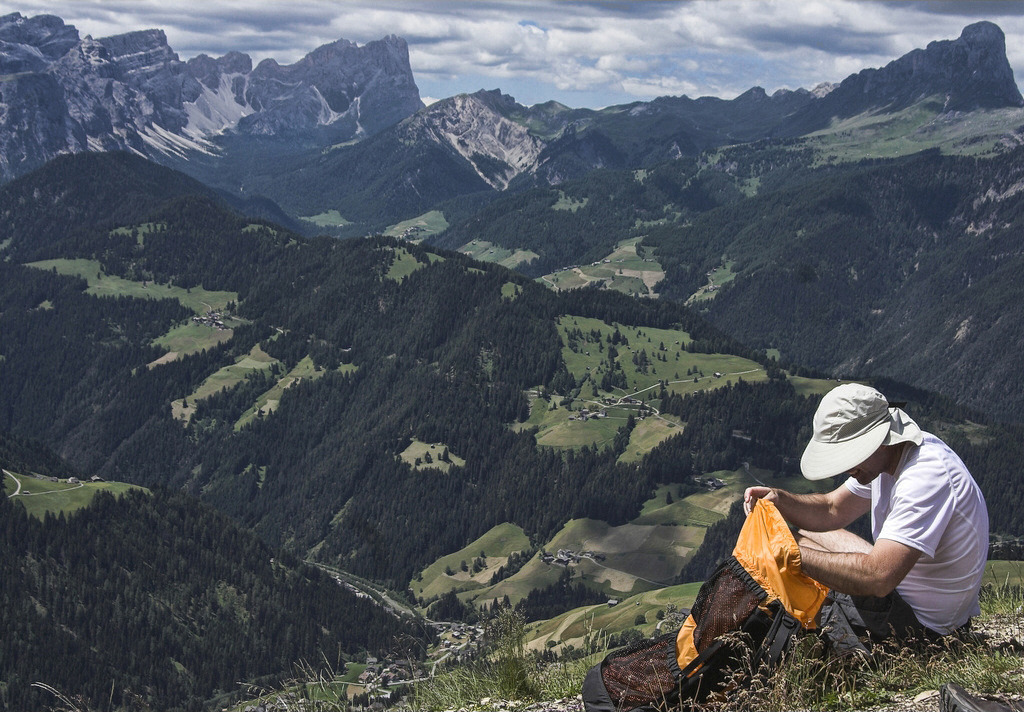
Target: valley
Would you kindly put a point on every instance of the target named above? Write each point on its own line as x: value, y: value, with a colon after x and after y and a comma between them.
x: 286, y: 378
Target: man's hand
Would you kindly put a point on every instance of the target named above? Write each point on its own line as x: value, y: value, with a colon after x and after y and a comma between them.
x: 752, y: 494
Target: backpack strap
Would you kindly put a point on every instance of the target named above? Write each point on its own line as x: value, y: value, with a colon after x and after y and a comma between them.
x: 784, y: 627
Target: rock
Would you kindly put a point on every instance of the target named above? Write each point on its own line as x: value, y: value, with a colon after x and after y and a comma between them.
x: 474, y: 126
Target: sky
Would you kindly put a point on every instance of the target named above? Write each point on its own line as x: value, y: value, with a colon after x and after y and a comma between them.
x: 582, y: 54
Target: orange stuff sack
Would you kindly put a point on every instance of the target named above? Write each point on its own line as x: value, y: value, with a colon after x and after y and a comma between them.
x: 763, y: 573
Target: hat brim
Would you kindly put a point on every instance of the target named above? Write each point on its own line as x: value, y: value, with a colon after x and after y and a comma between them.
x: 828, y: 459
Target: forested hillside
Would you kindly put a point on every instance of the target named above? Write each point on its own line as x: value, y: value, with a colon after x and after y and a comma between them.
x: 900, y: 268
x: 157, y: 602
x: 903, y: 267
x: 439, y: 351
x: 583, y: 220
x: 402, y: 343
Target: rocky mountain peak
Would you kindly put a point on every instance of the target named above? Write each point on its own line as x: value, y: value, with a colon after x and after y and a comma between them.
x: 30, y: 44
x: 356, y: 90
x: 823, y: 89
x: 208, y: 70
x: 983, y: 33
x: 476, y: 127
x: 985, y: 79
x: 970, y: 72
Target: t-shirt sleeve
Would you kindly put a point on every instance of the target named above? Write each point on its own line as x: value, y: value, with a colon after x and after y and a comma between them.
x: 862, y: 491
x: 922, y: 505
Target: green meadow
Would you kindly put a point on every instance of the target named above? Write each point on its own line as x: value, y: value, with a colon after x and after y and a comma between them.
x: 652, y: 358
x: 667, y: 363
x: 189, y: 338
x: 180, y: 340
x: 511, y: 290
x: 811, y: 386
x: 574, y: 627
x: 330, y: 218
x: 911, y: 130
x: 496, y: 545
x: 416, y: 456
x: 642, y: 555
x: 484, y: 251
x: 403, y: 265
x: 40, y: 496
x: 626, y: 270
x: 197, y: 299
x: 418, y: 228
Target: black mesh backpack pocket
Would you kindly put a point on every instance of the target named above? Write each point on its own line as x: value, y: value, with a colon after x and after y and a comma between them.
x: 644, y: 675
x: 647, y: 676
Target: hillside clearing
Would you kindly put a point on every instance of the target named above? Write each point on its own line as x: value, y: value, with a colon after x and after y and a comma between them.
x: 419, y: 228
x: 190, y: 338
x: 420, y: 455
x: 256, y: 360
x: 40, y: 495
x: 717, y: 277
x: 647, y: 359
x: 644, y: 554
x: 497, y: 544
x: 626, y: 269
x: 914, y: 129
x: 197, y: 299
x: 483, y: 251
x: 329, y: 218
x: 268, y: 401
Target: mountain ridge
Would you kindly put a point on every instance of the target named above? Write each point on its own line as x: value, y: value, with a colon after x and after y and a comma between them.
x: 131, y: 92
x: 488, y: 137
x: 971, y: 72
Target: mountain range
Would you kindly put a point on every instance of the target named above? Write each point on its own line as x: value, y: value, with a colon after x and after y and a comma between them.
x: 217, y: 118
x: 62, y: 93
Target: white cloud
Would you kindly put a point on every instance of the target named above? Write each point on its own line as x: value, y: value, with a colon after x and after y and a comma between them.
x: 548, y: 49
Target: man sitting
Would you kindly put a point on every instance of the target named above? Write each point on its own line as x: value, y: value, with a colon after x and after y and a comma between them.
x: 929, y: 522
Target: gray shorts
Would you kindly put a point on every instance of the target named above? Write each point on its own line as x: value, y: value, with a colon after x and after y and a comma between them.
x: 852, y: 623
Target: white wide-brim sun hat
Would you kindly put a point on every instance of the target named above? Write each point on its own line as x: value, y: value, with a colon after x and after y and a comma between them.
x: 851, y: 422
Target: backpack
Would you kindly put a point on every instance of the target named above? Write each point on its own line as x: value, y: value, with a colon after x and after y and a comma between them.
x: 758, y: 594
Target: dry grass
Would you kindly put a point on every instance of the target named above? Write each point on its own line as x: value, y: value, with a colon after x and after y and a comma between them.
x: 988, y: 660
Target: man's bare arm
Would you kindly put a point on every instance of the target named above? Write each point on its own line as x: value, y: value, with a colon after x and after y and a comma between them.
x: 873, y: 574
x: 813, y: 512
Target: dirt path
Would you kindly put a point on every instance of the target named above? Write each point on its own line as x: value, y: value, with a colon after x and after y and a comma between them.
x: 632, y: 576
x: 654, y: 410
x: 16, y: 481
x: 62, y: 491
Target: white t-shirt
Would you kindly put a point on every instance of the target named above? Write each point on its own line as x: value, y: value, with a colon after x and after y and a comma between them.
x: 933, y: 505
